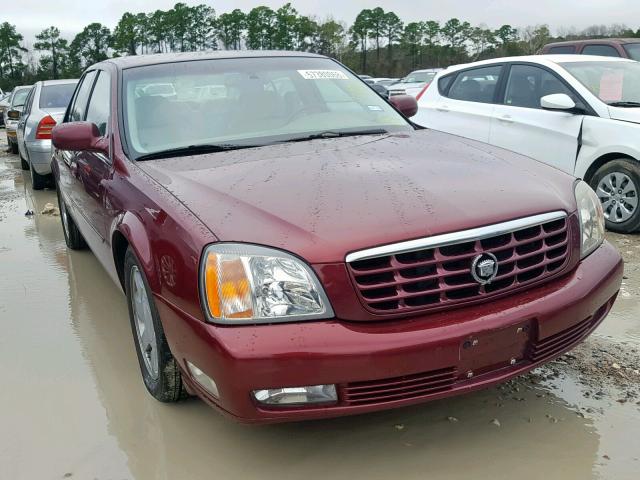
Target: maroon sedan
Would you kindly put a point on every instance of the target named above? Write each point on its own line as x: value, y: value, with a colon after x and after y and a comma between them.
x: 292, y: 247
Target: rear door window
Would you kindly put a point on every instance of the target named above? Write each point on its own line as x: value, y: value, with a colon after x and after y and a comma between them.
x: 477, y: 85
x: 562, y: 50
x: 602, y: 50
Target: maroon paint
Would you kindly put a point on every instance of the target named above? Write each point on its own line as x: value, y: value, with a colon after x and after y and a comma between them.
x: 321, y: 200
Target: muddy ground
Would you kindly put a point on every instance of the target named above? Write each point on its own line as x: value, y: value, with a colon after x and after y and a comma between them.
x: 72, y: 404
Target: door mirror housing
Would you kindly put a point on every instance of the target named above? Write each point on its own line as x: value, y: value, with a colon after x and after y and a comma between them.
x: 79, y: 136
x: 406, y: 104
x: 558, y: 102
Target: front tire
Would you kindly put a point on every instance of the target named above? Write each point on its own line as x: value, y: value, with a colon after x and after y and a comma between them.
x: 159, y: 368
x: 72, y: 236
x: 14, y: 148
x: 617, y: 184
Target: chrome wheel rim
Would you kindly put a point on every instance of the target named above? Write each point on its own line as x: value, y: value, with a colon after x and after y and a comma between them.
x: 619, y: 197
x: 143, y: 320
x: 65, y: 217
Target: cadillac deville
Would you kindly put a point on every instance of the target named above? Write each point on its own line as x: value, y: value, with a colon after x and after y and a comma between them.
x: 292, y: 247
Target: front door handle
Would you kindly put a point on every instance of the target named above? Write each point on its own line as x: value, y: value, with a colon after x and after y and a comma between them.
x: 506, y: 119
x: 443, y: 108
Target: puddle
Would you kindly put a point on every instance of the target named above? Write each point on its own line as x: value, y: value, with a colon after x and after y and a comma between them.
x: 73, y: 401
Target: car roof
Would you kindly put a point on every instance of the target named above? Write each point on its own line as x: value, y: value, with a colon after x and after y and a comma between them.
x: 133, y: 61
x: 594, y: 40
x: 541, y: 59
x: 59, y: 82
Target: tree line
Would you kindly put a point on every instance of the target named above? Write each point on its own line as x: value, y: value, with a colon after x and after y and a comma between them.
x: 378, y: 42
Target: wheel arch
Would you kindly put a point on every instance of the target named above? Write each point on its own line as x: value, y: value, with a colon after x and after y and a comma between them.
x: 603, y: 159
x: 130, y: 232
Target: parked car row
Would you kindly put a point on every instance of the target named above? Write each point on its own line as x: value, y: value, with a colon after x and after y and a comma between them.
x: 294, y: 247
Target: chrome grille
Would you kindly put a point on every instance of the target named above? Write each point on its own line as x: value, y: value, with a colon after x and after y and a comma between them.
x: 409, y: 278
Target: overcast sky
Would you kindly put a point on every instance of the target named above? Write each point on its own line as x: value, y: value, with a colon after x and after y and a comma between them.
x: 31, y: 16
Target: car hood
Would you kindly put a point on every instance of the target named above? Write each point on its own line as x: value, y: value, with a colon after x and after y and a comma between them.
x: 325, y: 198
x: 625, y: 114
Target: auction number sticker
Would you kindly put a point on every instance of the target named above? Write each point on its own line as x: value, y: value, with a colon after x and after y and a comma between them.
x: 323, y: 75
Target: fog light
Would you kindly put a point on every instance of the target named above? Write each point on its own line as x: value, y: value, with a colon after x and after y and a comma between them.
x: 297, y: 395
x: 203, y: 379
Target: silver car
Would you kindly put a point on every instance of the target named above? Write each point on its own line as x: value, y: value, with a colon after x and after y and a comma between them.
x: 43, y: 109
x: 16, y: 103
x: 413, y: 83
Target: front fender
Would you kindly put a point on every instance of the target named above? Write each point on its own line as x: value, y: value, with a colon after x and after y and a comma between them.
x: 132, y: 228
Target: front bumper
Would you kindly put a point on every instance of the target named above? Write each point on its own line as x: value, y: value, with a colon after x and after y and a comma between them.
x: 39, y: 152
x: 381, y: 365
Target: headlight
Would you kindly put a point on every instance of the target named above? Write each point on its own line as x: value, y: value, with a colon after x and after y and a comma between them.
x: 591, y: 219
x: 244, y: 284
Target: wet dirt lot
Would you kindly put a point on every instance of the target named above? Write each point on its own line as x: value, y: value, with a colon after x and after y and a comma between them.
x: 72, y: 404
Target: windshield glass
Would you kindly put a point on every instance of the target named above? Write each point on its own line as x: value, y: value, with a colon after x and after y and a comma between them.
x: 20, y: 97
x: 250, y: 101
x: 633, y: 49
x: 418, y: 77
x: 56, y: 96
x: 611, y: 82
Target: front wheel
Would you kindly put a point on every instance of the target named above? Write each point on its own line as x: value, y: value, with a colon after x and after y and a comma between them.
x: 14, y: 148
x: 72, y: 236
x: 159, y: 368
x: 617, y: 184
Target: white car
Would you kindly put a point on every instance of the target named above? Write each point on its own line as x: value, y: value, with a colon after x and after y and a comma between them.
x: 413, y: 83
x: 578, y: 113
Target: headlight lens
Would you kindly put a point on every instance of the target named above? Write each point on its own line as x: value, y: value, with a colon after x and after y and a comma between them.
x: 252, y: 284
x: 591, y: 218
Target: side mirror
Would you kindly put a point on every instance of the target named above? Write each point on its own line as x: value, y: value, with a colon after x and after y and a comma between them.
x: 558, y: 102
x: 407, y: 105
x: 13, y: 114
x: 79, y: 136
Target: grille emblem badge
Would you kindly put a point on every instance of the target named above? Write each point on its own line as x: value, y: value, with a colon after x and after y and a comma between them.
x: 484, y: 268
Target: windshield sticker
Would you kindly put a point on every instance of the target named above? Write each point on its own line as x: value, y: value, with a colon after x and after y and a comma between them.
x: 375, y: 108
x: 611, y: 85
x: 323, y: 75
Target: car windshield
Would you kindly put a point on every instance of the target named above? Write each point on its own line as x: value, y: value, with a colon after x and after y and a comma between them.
x: 20, y: 97
x: 418, y: 77
x: 56, y: 96
x: 633, y: 50
x: 615, y: 82
x: 256, y: 101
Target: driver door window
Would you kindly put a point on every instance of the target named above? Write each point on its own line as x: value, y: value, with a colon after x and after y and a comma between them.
x: 82, y: 96
x: 527, y: 84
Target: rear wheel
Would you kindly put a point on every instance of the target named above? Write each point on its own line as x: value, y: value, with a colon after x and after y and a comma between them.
x: 159, y: 368
x: 617, y: 184
x: 72, y: 236
x: 23, y: 163
x: 38, y: 182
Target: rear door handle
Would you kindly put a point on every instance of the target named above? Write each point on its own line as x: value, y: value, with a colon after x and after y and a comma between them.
x: 506, y: 119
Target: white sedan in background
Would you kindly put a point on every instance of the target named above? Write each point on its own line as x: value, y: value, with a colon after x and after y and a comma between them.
x: 580, y: 114
x: 414, y: 83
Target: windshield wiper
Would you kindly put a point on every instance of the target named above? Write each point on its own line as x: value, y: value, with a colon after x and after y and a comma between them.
x: 193, y: 150
x: 335, y: 134
x: 624, y: 104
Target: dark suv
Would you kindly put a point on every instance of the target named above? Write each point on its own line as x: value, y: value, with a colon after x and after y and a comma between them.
x: 606, y: 47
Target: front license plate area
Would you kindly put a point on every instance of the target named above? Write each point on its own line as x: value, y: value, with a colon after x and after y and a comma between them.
x: 493, y: 350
